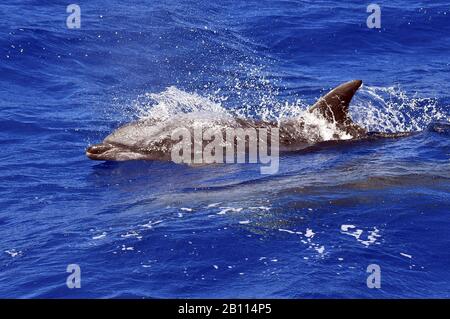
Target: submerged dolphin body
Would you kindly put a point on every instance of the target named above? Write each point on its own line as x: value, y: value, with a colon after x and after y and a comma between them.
x: 150, y: 139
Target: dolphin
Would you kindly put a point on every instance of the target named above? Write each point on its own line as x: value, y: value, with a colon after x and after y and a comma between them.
x: 150, y: 139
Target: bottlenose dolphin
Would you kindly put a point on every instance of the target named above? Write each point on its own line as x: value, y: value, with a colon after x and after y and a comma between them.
x: 150, y: 139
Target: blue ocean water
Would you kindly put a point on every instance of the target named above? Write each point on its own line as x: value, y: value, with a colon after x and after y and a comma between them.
x: 158, y: 230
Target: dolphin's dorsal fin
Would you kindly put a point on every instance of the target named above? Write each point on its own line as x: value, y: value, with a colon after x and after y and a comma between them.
x: 334, y: 105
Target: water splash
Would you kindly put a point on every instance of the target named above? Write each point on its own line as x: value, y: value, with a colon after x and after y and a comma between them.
x: 195, y: 110
x: 173, y: 102
x: 382, y: 109
x: 390, y: 109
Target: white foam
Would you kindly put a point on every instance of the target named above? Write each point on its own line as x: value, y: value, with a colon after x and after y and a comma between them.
x: 347, y: 227
x: 372, y: 237
x: 150, y: 224
x: 406, y: 255
x: 130, y: 234
x: 102, y: 235
x: 289, y: 231
x: 13, y: 253
x: 320, y: 249
x: 309, y: 233
x: 225, y: 210
x: 125, y: 248
x: 351, y: 230
x: 259, y: 208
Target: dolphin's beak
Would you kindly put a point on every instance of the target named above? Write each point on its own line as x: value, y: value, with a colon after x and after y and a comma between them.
x: 96, y: 152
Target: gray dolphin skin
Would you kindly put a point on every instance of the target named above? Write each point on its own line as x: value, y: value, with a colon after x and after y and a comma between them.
x: 150, y: 139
